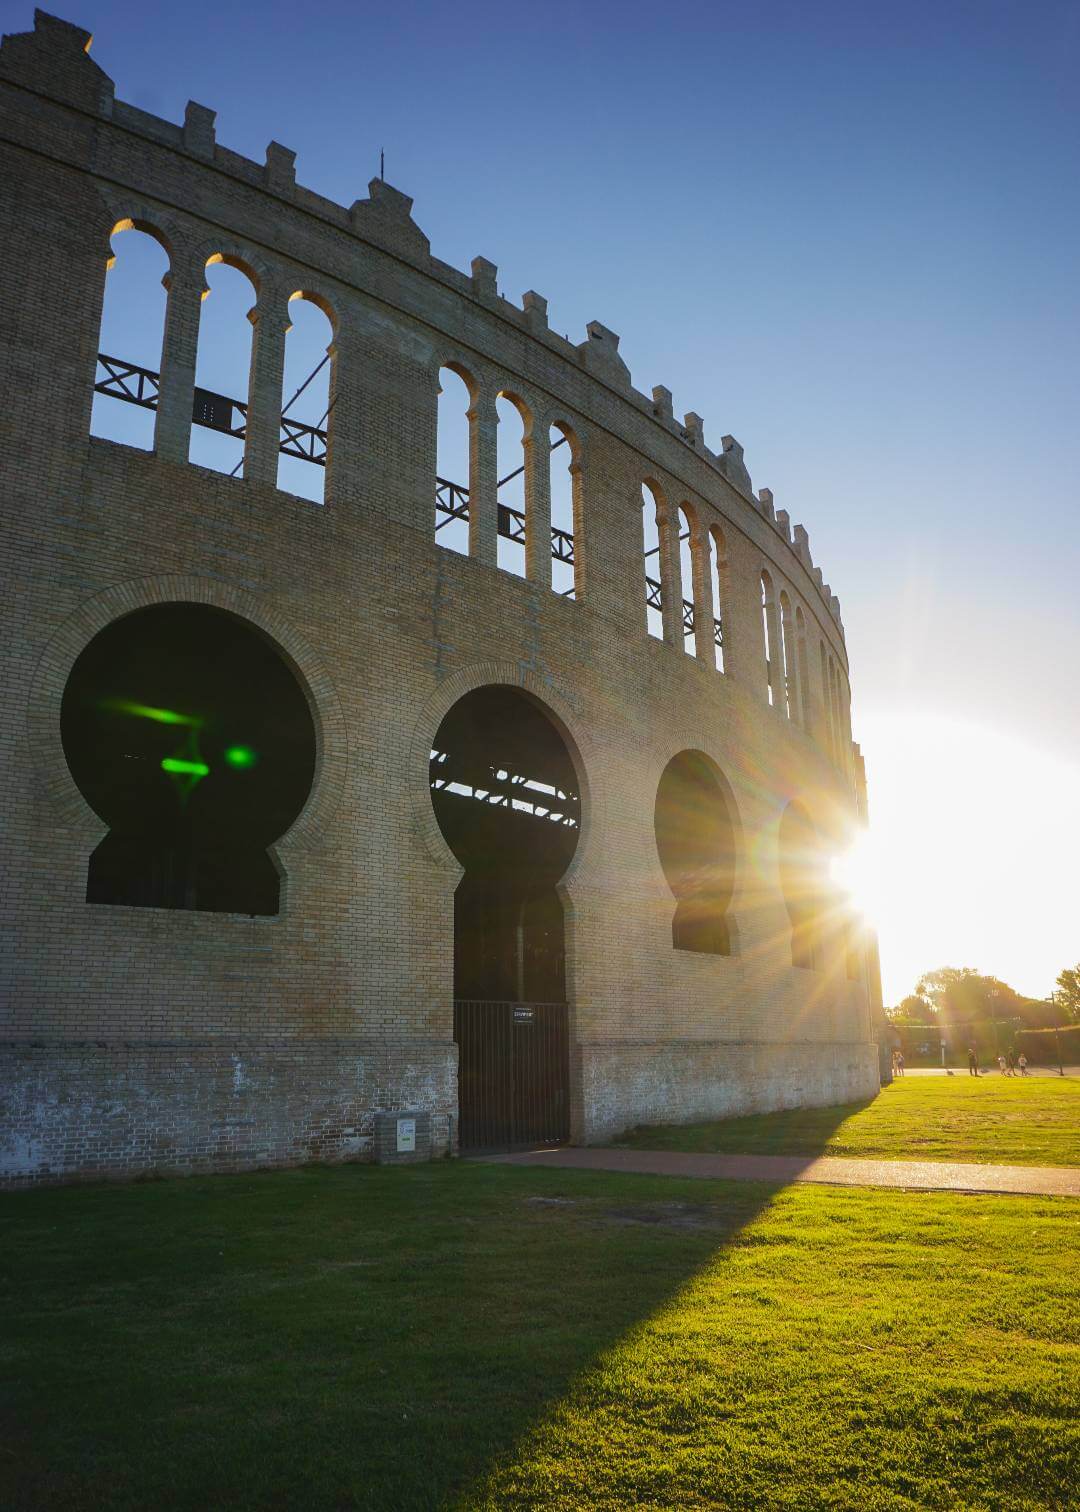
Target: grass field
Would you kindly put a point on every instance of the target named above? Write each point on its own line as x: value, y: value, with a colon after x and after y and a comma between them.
x: 1005, y: 1120
x: 468, y: 1336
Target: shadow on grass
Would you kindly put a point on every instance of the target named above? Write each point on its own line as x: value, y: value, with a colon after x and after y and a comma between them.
x: 327, y: 1337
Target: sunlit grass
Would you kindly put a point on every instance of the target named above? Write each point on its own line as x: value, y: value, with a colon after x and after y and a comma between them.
x: 461, y: 1335
x: 1005, y: 1120
x: 845, y: 1350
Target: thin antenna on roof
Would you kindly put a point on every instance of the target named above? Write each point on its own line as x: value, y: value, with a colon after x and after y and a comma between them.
x: 382, y: 164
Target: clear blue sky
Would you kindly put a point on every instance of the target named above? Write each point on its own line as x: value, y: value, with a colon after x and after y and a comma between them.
x: 847, y: 233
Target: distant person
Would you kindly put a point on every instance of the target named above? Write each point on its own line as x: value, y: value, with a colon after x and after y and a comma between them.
x: 899, y: 1063
x: 1022, y: 1063
x: 1002, y: 1067
x: 973, y: 1061
x: 1010, y: 1061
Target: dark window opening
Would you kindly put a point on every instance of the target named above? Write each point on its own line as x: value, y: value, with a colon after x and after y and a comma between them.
x: 189, y: 735
x: 506, y: 797
x: 695, y: 838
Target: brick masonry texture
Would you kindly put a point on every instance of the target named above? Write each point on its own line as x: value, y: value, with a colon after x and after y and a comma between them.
x: 139, y: 1040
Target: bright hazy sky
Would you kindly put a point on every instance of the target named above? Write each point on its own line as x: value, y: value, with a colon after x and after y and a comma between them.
x: 846, y: 233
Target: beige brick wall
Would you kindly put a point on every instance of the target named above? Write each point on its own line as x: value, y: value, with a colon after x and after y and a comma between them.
x: 122, y: 1027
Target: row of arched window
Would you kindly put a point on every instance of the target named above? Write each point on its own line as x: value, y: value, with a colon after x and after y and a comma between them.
x: 672, y: 577
x: 508, y: 484
x: 131, y: 342
x: 787, y: 673
x: 525, y: 471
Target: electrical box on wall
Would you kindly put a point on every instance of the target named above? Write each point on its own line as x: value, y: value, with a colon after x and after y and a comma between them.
x: 403, y: 1135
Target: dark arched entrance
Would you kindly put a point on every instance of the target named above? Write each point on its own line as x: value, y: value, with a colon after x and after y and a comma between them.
x: 190, y: 736
x: 506, y: 796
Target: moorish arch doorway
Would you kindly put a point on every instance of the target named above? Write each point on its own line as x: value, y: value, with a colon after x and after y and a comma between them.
x: 189, y: 734
x: 507, y: 799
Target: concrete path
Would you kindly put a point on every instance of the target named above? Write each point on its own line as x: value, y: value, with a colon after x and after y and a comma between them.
x: 993, y: 1072
x: 927, y: 1175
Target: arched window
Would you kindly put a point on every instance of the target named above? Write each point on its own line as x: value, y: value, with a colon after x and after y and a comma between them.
x: 804, y: 678
x: 452, y: 464
x: 305, y: 400
x: 510, y: 461
x: 834, y: 712
x: 826, y: 702
x: 223, y: 368
x: 695, y: 839
x: 189, y: 734
x: 686, y: 580
x: 129, y: 343
x: 843, y: 717
x: 718, y: 576
x: 769, y: 633
x: 510, y: 490
x: 654, y: 592
x: 802, y: 882
x: 787, y: 647
x: 566, y: 534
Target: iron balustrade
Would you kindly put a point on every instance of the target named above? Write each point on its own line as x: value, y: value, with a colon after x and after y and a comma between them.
x: 308, y: 443
x: 513, y: 1073
x: 138, y: 385
x: 123, y: 380
x: 217, y: 412
x: 654, y: 600
x: 452, y: 503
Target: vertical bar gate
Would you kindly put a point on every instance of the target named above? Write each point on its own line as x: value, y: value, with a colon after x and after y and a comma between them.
x: 514, y: 1073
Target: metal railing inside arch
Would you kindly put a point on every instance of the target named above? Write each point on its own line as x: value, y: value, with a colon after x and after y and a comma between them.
x: 119, y: 379
x: 452, y: 503
x: 138, y: 385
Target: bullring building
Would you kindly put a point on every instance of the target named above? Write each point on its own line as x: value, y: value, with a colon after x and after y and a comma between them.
x: 422, y: 728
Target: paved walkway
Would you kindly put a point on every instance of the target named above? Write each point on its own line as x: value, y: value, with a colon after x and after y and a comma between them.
x: 927, y: 1175
x: 993, y: 1072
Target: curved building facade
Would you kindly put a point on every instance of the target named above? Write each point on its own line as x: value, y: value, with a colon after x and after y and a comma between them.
x: 501, y: 797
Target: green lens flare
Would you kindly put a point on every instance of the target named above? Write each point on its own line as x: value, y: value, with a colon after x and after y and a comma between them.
x: 241, y: 756
x: 185, y: 768
x: 144, y: 711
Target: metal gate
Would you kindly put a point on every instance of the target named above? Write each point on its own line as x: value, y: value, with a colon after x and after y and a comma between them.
x: 514, y: 1073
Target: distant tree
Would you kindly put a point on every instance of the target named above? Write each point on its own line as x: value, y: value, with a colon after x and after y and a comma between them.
x: 1068, y: 992
x: 913, y: 1010
x: 961, y: 995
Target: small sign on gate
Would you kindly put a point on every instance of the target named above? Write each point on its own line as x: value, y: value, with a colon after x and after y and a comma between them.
x: 523, y: 1013
x: 406, y: 1135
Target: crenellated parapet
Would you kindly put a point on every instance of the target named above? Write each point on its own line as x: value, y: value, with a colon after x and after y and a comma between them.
x: 53, y: 61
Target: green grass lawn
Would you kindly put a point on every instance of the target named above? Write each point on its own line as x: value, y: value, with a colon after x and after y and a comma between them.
x: 1005, y: 1120
x: 457, y: 1335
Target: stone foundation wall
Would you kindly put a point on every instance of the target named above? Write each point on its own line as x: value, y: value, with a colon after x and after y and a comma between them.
x: 90, y: 1110
x: 686, y: 1081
